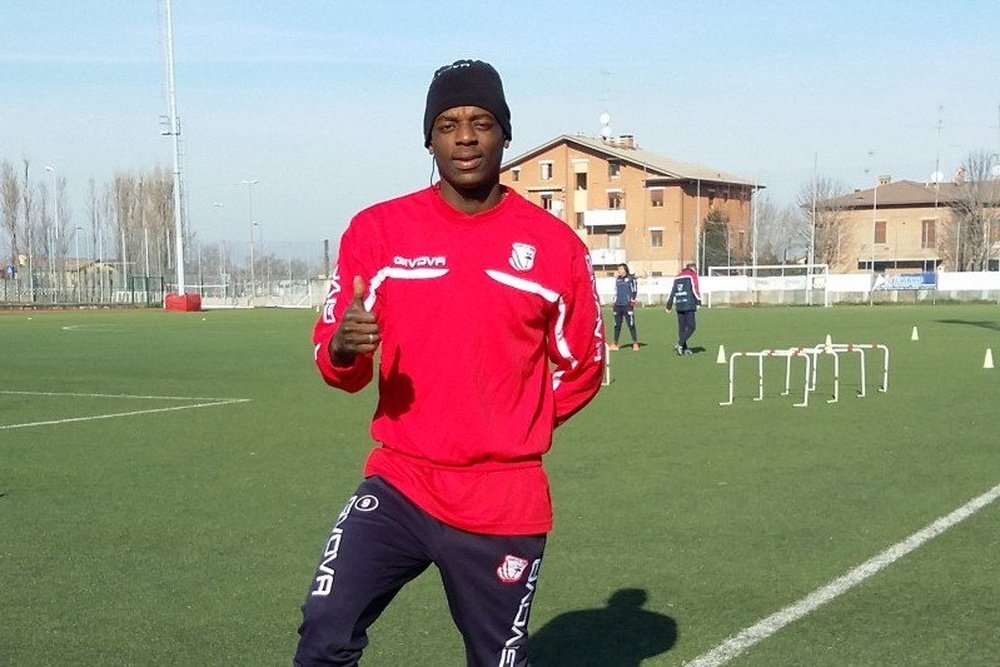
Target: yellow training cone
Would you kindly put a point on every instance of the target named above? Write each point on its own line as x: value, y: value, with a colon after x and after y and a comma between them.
x: 988, y: 361
x: 721, y: 357
x: 914, y: 335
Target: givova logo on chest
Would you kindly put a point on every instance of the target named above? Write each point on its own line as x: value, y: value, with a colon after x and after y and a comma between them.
x: 421, y: 262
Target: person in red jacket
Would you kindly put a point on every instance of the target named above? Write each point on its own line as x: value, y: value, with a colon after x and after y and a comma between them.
x: 471, y: 386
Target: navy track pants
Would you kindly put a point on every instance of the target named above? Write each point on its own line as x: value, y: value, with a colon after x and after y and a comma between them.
x: 685, y: 327
x: 626, y: 313
x: 381, y: 541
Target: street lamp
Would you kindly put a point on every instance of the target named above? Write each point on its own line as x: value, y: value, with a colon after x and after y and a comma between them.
x: 253, y: 282
x: 871, y: 292
x: 871, y: 289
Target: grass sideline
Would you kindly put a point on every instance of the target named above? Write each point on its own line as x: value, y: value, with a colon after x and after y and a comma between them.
x: 188, y: 537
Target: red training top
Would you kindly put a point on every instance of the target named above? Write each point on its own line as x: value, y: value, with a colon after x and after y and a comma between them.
x: 491, y: 337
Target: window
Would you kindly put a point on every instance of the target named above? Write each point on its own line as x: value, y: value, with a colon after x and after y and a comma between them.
x: 581, y: 181
x: 579, y: 220
x: 880, y: 231
x: 656, y: 238
x: 928, y: 234
x: 515, y: 174
x: 546, y: 171
x: 656, y: 198
x: 657, y: 274
x: 995, y: 231
x: 547, y: 201
x: 615, y: 200
x: 614, y: 167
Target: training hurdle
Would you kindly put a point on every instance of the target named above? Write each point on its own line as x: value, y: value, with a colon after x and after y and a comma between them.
x: 811, y: 356
x: 860, y: 348
x: 788, y: 355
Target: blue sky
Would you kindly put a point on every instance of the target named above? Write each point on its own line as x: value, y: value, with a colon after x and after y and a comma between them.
x: 322, y: 101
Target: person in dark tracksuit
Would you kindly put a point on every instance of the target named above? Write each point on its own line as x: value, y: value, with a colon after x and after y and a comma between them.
x: 686, y: 296
x: 626, y: 290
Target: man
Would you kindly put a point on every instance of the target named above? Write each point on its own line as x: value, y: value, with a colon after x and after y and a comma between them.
x: 626, y: 290
x: 469, y: 392
x: 687, y: 297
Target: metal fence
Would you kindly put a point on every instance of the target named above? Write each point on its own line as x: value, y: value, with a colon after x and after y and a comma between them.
x: 234, y: 292
x: 43, y: 290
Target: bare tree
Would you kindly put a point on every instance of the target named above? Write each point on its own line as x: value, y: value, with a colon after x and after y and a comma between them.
x: 94, y: 212
x: 30, y: 233
x: 821, y: 221
x: 158, y: 212
x: 716, y: 247
x: 65, y: 221
x: 10, y: 200
x: 975, y: 214
x: 141, y: 207
x: 778, y: 235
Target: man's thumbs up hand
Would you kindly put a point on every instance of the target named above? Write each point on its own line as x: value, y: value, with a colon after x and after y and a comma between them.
x: 358, y: 332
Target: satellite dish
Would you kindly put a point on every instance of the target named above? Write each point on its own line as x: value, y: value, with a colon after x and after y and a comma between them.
x: 604, y: 118
x: 937, y: 177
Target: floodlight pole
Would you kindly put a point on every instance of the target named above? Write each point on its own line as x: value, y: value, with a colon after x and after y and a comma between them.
x: 174, y: 131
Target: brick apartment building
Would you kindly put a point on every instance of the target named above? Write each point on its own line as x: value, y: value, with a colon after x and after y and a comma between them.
x: 630, y: 205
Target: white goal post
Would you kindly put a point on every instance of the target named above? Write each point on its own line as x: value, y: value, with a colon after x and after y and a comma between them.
x: 750, y: 283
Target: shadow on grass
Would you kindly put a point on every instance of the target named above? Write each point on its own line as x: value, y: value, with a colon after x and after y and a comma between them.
x: 622, y: 634
x: 985, y: 324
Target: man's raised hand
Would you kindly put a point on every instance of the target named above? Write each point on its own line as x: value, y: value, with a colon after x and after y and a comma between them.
x: 358, y: 332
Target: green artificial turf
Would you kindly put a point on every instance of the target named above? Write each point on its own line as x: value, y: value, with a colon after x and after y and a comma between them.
x: 188, y: 537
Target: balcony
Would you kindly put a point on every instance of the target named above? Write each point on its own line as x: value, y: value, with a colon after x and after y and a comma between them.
x: 604, y: 217
x: 607, y: 256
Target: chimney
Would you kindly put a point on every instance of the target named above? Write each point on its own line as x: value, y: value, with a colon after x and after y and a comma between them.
x: 884, y: 179
x: 625, y: 141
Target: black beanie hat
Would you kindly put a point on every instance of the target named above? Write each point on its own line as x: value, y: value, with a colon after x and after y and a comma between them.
x: 466, y: 83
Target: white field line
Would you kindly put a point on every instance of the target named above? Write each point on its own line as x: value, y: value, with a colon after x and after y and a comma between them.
x: 162, y: 398
x: 737, y: 644
x: 208, y: 402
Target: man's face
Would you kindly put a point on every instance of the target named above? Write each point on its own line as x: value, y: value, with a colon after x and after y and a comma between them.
x: 467, y: 143
x: 621, y: 271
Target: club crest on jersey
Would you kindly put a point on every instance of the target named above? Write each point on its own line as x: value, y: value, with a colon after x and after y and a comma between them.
x: 511, y: 569
x: 522, y: 256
